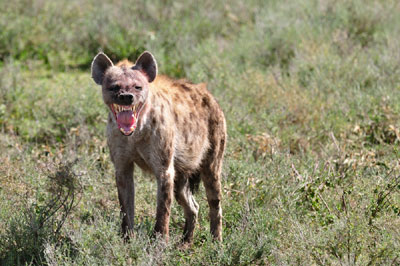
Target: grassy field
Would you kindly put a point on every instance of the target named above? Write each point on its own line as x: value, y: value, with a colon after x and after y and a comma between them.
x: 311, y: 94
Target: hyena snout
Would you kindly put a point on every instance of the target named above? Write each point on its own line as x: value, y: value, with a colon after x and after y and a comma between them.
x: 126, y: 98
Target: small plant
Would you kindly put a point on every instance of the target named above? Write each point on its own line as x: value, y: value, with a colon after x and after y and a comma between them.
x: 41, y: 222
x: 383, y: 198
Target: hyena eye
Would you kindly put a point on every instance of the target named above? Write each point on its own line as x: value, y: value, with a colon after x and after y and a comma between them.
x: 114, y: 88
x: 138, y: 88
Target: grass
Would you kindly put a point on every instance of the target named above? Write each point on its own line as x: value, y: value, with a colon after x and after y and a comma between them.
x: 310, y: 90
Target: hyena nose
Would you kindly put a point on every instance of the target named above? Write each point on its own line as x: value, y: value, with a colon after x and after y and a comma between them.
x: 127, y: 98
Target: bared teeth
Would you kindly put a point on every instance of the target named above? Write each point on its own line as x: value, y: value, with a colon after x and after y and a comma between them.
x: 119, y: 108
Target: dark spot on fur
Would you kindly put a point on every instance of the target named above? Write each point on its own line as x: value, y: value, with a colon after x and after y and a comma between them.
x: 153, y: 121
x: 168, y: 150
x: 164, y: 162
x: 194, y: 97
x: 212, y: 123
x: 185, y: 87
x: 166, y: 156
x: 205, y: 102
x: 212, y: 145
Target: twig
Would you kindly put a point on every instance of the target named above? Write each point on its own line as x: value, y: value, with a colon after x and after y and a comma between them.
x: 299, y: 176
x: 326, y: 205
x: 334, y: 141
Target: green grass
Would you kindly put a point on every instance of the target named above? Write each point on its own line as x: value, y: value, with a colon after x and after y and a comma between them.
x: 310, y: 90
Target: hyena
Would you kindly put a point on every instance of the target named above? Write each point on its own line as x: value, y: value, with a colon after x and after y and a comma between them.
x: 172, y: 128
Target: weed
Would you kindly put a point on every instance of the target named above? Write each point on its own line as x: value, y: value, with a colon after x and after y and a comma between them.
x: 39, y: 223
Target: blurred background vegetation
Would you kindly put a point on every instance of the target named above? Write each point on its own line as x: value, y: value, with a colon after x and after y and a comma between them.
x: 310, y: 90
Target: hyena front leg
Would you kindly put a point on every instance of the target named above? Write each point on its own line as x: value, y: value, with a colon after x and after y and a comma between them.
x: 165, y: 187
x: 126, y: 195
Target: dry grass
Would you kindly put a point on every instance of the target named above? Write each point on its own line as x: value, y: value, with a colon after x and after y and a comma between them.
x: 310, y: 93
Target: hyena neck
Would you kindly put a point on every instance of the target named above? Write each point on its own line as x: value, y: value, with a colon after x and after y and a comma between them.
x: 142, y: 119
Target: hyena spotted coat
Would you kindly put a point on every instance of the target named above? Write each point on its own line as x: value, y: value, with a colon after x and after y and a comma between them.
x: 172, y: 128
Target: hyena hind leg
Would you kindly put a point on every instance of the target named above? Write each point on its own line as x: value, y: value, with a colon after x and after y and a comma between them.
x: 212, y: 185
x: 184, y: 197
x: 211, y: 177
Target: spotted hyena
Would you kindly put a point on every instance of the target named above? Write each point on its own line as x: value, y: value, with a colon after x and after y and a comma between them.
x: 172, y: 128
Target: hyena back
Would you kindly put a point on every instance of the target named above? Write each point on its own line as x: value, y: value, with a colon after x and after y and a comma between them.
x: 174, y: 129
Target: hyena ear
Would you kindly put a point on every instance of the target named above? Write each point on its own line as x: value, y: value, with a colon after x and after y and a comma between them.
x: 99, y: 66
x: 147, y: 64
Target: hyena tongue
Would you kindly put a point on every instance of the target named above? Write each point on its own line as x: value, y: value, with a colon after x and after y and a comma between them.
x: 126, y: 121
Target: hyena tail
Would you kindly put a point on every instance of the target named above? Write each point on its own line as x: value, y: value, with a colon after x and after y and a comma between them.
x: 194, y: 182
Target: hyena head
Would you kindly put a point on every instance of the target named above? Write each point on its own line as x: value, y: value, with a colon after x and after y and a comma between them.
x: 125, y: 87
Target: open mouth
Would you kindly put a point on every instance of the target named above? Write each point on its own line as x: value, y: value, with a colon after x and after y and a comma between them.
x: 126, y: 117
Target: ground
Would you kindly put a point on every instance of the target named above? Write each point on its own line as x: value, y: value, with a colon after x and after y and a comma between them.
x: 310, y: 90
